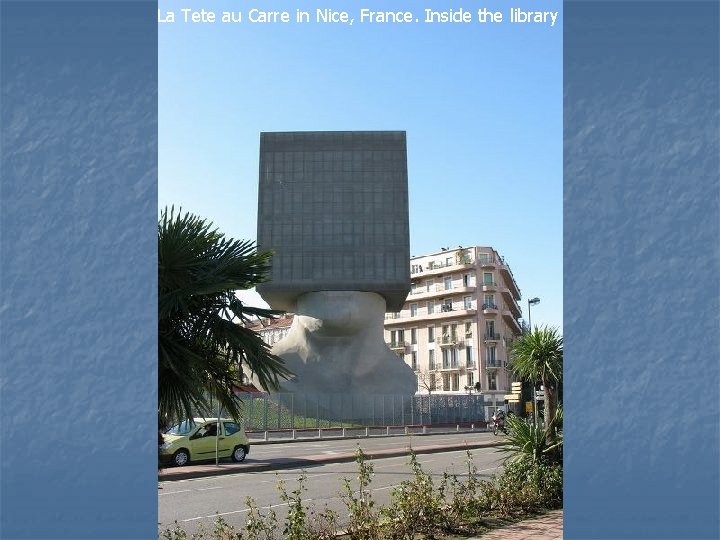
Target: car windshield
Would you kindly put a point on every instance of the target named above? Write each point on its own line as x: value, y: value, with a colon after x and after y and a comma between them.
x: 183, y: 428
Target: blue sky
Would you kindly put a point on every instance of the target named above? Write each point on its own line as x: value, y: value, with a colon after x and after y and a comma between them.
x: 481, y: 105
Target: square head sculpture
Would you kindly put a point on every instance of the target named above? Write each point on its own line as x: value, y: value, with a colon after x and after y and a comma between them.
x: 333, y: 207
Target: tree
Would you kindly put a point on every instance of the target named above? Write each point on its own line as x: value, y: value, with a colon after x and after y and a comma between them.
x: 201, y: 345
x: 426, y: 380
x: 537, y: 356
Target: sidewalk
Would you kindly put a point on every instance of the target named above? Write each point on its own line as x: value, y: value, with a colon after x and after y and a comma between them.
x: 547, y: 527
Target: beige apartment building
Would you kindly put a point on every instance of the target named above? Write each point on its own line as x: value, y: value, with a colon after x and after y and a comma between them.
x: 458, y: 322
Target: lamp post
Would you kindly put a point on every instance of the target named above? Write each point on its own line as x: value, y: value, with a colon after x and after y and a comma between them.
x: 532, y: 302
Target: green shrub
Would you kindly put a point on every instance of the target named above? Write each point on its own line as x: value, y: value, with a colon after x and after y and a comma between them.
x: 416, y: 506
x: 364, y: 523
x: 523, y: 486
x: 531, y: 441
x: 259, y: 526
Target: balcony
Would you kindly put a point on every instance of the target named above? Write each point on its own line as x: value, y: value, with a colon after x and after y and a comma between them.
x: 435, y: 268
x: 509, y: 278
x: 493, y: 364
x: 489, y: 286
x: 448, y: 340
x: 486, y: 261
x: 492, y: 337
x: 398, y: 345
x: 453, y: 366
x: 512, y: 321
x: 439, y: 290
x: 490, y: 309
x: 511, y: 302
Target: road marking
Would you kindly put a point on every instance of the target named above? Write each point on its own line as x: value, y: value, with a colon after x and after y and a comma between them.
x: 174, y: 492
x: 212, y: 487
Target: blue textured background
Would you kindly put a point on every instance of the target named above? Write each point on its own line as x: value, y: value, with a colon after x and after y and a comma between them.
x: 78, y: 272
x: 641, y: 270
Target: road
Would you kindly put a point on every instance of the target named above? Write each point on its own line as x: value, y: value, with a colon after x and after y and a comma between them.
x: 195, y: 503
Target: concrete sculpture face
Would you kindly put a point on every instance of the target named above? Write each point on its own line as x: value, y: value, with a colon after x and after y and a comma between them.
x: 333, y: 206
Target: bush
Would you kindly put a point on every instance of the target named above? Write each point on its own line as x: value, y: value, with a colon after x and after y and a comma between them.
x: 532, y: 442
x: 523, y: 486
x: 416, y: 506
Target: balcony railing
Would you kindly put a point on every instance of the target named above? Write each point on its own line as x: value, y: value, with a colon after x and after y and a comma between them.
x: 448, y: 339
x: 493, y: 364
x: 489, y: 306
x: 398, y: 344
x: 492, y: 337
x: 445, y: 308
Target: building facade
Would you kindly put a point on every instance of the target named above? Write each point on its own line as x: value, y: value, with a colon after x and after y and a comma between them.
x: 458, y: 322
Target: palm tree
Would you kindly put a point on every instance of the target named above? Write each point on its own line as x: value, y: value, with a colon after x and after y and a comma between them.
x: 537, y: 356
x: 201, y: 346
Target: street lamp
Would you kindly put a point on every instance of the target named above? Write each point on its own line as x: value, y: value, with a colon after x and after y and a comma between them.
x: 532, y: 302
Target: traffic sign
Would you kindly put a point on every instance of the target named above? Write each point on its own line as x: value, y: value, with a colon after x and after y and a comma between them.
x: 516, y: 387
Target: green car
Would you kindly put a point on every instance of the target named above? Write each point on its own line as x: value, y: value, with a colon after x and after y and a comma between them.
x: 198, y: 439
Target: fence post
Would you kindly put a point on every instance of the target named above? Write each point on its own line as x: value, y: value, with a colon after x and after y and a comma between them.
x: 294, y: 437
x: 319, y: 433
x: 367, y: 431
x: 265, y: 412
x: 279, y: 413
x: 387, y: 431
x: 292, y: 411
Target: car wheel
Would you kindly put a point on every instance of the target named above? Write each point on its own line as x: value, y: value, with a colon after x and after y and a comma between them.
x: 181, y: 457
x: 238, y: 454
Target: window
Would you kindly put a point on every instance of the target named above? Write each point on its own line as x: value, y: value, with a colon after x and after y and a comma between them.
x: 447, y: 304
x: 413, y: 336
x: 490, y: 301
x: 431, y: 334
x: 431, y: 307
x: 455, y: 382
x: 484, y: 258
x: 230, y: 428
x: 492, y: 381
x: 490, y: 329
x: 413, y: 360
x: 431, y: 359
x: 466, y: 280
x: 433, y: 382
x: 446, y: 381
x: 448, y: 282
x: 468, y: 329
x: 448, y: 261
x: 445, y: 358
x: 467, y: 302
x: 428, y: 285
x: 413, y: 310
x: 453, y: 357
x: 491, y: 358
x: 488, y: 278
x: 471, y: 379
x: 469, y: 356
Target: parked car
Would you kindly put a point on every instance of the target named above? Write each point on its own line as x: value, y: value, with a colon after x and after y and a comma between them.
x: 197, y: 440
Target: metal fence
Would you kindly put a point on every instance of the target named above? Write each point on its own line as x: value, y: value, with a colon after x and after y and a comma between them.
x: 299, y: 411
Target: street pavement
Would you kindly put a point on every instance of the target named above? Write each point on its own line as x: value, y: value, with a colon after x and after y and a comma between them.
x: 303, y: 454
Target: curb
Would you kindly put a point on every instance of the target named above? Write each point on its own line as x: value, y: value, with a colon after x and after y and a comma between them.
x: 201, y: 471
